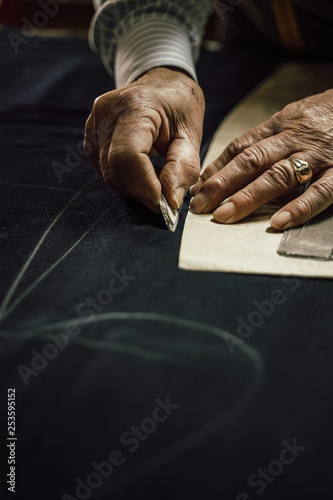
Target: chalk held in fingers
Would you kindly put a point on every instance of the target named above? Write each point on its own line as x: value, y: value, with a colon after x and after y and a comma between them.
x: 170, y: 215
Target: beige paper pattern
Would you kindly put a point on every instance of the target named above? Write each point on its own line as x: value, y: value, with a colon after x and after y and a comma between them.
x: 250, y: 246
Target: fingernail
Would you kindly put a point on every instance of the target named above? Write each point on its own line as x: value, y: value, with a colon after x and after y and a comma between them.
x: 179, y: 195
x: 199, y: 203
x: 154, y: 208
x: 281, y: 220
x: 224, y: 212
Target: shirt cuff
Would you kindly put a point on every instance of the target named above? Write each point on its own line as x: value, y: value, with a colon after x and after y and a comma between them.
x: 153, y: 41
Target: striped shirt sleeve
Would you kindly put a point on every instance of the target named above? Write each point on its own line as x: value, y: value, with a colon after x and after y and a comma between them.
x: 134, y: 36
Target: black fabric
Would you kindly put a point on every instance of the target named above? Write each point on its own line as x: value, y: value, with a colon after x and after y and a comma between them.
x: 147, y: 334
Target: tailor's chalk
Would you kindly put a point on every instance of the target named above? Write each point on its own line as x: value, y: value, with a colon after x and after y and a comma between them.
x: 170, y: 215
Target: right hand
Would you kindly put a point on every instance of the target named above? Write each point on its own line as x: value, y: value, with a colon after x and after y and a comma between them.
x: 162, y: 111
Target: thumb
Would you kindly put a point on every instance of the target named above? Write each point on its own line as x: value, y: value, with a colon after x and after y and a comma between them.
x: 181, y: 170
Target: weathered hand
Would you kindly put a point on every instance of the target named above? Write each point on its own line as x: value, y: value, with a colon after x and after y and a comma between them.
x: 162, y: 111
x: 254, y: 168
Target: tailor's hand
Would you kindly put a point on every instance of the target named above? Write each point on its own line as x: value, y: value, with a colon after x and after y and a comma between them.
x: 254, y: 168
x: 162, y: 112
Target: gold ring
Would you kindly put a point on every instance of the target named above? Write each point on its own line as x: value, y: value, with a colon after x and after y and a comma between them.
x: 302, y: 170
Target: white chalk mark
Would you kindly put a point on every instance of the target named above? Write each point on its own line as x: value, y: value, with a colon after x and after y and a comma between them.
x: 28, y: 262
x: 132, y: 350
x: 206, y: 431
x: 195, y: 438
x: 187, y: 323
x: 33, y: 285
x: 109, y: 344
x: 103, y: 345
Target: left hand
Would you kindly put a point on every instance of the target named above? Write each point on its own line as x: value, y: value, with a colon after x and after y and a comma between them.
x: 254, y: 168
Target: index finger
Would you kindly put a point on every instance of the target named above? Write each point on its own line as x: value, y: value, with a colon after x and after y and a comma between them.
x: 242, y: 170
x: 236, y: 147
x: 128, y: 157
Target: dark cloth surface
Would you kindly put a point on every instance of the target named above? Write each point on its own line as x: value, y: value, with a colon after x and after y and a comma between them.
x: 100, y: 329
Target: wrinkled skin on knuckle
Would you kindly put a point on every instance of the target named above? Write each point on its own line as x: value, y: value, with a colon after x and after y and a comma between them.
x: 244, y: 200
x: 277, y: 122
x: 251, y: 159
x: 165, y: 107
x: 236, y: 147
x: 166, y: 98
x: 214, y: 186
x: 116, y: 104
x: 173, y: 109
x: 323, y: 190
x: 320, y: 194
x: 100, y: 123
x: 303, y: 208
x: 317, y: 198
x: 103, y: 106
x: 280, y: 177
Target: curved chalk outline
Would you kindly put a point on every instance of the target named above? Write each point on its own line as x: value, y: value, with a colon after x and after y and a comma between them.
x: 184, y: 445
x: 5, y: 307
